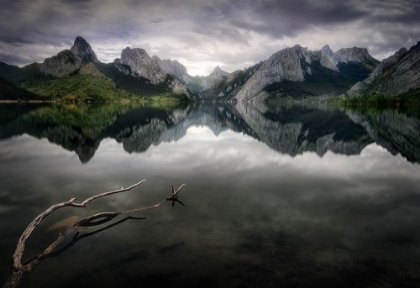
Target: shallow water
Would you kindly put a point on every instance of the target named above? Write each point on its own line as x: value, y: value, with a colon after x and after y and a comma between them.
x: 275, y: 196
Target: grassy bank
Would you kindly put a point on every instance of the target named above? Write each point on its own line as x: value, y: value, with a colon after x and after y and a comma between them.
x: 411, y: 99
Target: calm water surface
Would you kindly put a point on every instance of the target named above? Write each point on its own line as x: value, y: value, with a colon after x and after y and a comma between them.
x: 287, y: 196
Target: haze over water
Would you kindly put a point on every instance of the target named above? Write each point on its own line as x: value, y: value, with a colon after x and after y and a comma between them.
x: 286, y: 195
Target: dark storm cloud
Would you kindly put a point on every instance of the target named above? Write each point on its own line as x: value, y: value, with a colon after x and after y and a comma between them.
x: 289, y: 17
x: 16, y: 40
x: 11, y: 58
x: 223, y: 28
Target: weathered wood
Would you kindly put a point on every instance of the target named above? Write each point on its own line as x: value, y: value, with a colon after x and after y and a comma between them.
x: 19, y: 269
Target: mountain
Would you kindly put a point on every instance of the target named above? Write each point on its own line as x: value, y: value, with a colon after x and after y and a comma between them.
x: 68, y: 62
x: 83, y: 50
x: 142, y: 65
x: 396, y: 75
x: 175, y: 68
x: 216, y: 74
x: 227, y: 85
x: 77, y: 74
x: 195, y: 83
x: 297, y: 72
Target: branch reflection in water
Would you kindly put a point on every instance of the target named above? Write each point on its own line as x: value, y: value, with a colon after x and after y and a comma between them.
x: 19, y: 270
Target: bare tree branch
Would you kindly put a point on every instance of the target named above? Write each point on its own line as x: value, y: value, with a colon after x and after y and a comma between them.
x: 20, y: 248
x: 83, y: 204
x: 173, y: 197
x: 18, y: 269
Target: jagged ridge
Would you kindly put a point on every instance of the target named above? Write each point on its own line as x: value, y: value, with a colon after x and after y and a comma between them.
x: 395, y: 75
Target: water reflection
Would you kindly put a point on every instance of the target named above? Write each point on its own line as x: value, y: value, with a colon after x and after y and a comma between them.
x: 287, y: 129
x: 302, y: 196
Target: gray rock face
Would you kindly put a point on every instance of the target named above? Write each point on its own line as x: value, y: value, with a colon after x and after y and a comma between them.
x: 173, y: 67
x: 405, y: 76
x: 210, y: 81
x: 354, y: 54
x: 226, y: 86
x: 122, y: 68
x: 179, y: 88
x: 217, y: 73
x: 197, y: 83
x: 70, y: 61
x: 61, y: 65
x: 292, y: 64
x: 215, y: 76
x: 360, y: 87
x: 364, y: 85
x: 391, y: 60
x: 83, y: 50
x: 328, y: 59
x: 283, y: 65
x: 396, y: 74
x: 90, y: 69
x: 141, y: 64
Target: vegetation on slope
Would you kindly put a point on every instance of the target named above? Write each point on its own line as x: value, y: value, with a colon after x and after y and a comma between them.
x: 9, y: 91
x: 77, y: 88
x: 409, y: 99
x: 79, y: 116
x: 135, y: 85
x: 28, y: 83
x: 18, y: 75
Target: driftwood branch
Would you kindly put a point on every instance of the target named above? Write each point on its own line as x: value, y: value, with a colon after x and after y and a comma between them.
x: 19, y: 269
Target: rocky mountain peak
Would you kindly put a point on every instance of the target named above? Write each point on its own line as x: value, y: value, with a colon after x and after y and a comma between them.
x: 282, y: 65
x: 405, y: 65
x: 326, y: 50
x: 141, y: 63
x: 403, y: 50
x: 80, y: 40
x: 83, y: 50
x: 173, y: 67
x: 354, y: 54
x: 217, y: 73
x: 61, y: 65
x: 134, y: 51
x: 155, y: 57
x: 415, y: 47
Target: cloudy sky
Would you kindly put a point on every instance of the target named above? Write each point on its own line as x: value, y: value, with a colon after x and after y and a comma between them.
x: 202, y: 34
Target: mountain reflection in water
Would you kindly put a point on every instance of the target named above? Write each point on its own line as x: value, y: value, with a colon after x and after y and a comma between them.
x: 282, y: 196
x: 289, y: 130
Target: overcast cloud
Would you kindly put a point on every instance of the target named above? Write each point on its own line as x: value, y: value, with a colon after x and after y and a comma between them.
x: 202, y: 34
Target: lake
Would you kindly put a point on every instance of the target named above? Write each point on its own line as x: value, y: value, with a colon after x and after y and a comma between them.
x: 275, y: 196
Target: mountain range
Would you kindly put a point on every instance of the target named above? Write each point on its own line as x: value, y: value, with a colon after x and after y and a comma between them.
x: 77, y: 74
